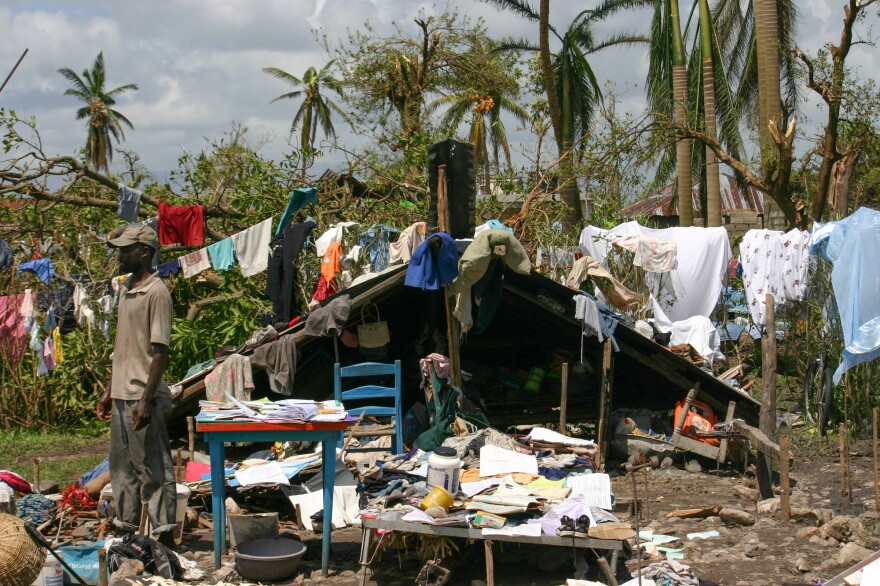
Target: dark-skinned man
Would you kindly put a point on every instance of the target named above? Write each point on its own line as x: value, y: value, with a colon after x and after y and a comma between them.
x: 137, y: 401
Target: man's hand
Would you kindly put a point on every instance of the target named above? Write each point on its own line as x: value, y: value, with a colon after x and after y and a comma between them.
x: 142, y: 413
x: 104, y: 406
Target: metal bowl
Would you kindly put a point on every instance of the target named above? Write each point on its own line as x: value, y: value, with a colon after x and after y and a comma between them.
x: 271, y: 558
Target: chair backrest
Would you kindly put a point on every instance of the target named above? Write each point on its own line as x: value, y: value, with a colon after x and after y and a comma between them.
x: 367, y: 392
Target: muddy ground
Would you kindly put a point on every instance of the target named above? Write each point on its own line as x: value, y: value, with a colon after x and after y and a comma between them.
x: 803, y: 551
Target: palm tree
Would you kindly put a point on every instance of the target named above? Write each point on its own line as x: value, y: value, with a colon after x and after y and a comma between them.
x: 315, y: 107
x: 104, y: 123
x: 713, y: 179
x: 486, y: 126
x: 572, y: 89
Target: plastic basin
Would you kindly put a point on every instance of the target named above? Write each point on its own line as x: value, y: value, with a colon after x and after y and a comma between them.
x: 272, y: 558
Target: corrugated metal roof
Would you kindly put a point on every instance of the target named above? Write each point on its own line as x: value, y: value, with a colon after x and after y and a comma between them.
x: 732, y: 198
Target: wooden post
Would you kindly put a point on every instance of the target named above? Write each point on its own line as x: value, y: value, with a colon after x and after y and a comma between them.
x: 606, y: 386
x: 606, y: 569
x: 178, y: 469
x: 142, y: 528
x: 191, y: 437
x: 37, y: 474
x: 453, y: 328
x: 876, y: 468
x: 843, y: 470
x: 784, y: 500
x: 768, y: 398
x: 490, y: 564
x: 563, y: 402
x: 102, y: 567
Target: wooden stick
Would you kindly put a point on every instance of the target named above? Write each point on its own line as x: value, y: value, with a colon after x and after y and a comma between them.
x: 351, y: 433
x: 191, y: 433
x: 606, y: 569
x: 490, y: 564
x: 102, y: 567
x: 784, y: 501
x: 178, y: 469
x: 876, y: 468
x: 563, y: 403
x: 842, y: 451
x: 605, y: 387
x: 37, y: 474
x: 142, y: 528
x: 768, y: 397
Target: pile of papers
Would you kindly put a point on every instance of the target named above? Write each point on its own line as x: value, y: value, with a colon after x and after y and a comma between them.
x: 285, y: 411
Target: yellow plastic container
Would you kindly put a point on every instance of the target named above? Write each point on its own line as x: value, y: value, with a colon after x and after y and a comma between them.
x: 438, y: 497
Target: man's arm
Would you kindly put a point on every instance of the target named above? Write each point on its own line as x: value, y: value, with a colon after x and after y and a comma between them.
x: 105, y: 403
x: 143, y: 409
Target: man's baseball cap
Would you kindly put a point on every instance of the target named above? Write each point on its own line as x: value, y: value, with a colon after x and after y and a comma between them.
x: 133, y: 234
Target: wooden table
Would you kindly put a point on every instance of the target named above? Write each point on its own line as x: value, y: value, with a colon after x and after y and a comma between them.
x: 391, y: 521
x: 219, y: 433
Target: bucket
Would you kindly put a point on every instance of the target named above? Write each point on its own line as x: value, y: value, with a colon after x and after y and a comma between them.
x: 183, y: 493
x: 244, y: 528
x: 52, y: 573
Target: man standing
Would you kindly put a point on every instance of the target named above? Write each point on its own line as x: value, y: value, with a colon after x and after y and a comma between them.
x: 137, y: 400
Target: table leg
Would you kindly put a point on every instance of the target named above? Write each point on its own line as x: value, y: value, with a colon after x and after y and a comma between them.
x: 218, y: 499
x: 328, y: 460
x: 365, y: 554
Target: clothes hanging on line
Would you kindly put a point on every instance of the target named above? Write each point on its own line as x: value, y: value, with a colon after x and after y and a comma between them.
x: 330, y: 264
x: 5, y: 255
x: 128, y: 202
x: 233, y: 375
x: 299, y: 198
x: 851, y: 246
x: 252, y: 248
x: 375, y: 244
x: 774, y: 262
x: 651, y: 254
x: 57, y: 346
x: 401, y: 250
x: 703, y: 257
x: 82, y: 310
x: 195, y: 262
x: 166, y: 269
x: 222, y: 254
x: 42, y: 268
x: 429, y: 273
x: 281, y: 274
x: 333, y: 234
x: 183, y: 225
x: 279, y: 359
x: 586, y: 267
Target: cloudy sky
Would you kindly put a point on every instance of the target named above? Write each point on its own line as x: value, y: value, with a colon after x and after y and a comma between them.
x: 199, y: 63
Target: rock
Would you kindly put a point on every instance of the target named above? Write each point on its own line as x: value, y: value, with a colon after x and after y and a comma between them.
x: 852, y: 553
x: 128, y: 569
x: 693, y: 467
x: 753, y: 550
x: 844, y: 528
x: 768, y: 506
x: 347, y: 573
x: 192, y: 517
x: 807, y: 532
x: 227, y: 574
x: 802, y: 565
x: 745, y: 492
x: 736, y: 517
x: 666, y: 464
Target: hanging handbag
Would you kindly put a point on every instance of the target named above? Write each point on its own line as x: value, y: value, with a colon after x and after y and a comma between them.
x: 372, y: 334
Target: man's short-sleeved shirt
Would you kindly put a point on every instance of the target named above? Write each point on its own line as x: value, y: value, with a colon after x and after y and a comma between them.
x: 144, y: 319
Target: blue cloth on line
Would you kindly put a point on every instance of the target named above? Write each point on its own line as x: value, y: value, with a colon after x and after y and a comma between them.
x: 222, y: 254
x: 51, y: 322
x: 299, y: 198
x: 41, y: 267
x: 5, y: 255
x: 374, y: 243
x: 851, y: 245
x: 428, y: 273
x: 166, y: 269
x: 128, y: 203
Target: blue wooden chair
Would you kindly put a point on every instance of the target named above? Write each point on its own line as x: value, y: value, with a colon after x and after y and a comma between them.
x: 354, y: 398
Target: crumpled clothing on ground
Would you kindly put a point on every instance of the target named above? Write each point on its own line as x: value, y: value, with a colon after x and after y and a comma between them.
x: 34, y: 507
x: 468, y: 446
x: 669, y: 573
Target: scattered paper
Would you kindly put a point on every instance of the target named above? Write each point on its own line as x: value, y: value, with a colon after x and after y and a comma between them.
x: 524, y: 529
x: 543, y: 434
x: 472, y: 488
x: 703, y: 534
x: 596, y: 488
x: 417, y: 516
x: 495, y: 460
x: 268, y: 473
x: 509, y: 486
